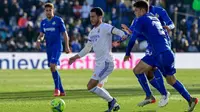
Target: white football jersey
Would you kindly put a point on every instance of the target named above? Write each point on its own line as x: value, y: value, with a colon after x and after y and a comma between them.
x: 100, y: 39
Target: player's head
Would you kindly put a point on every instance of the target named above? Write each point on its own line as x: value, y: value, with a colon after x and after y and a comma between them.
x: 96, y: 15
x: 148, y: 1
x: 140, y: 8
x: 49, y: 10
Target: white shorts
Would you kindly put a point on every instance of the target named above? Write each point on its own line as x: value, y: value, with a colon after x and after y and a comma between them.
x: 102, y: 71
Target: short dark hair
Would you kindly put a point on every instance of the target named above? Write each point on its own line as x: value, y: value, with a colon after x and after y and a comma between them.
x: 49, y: 5
x: 98, y: 11
x: 142, y: 4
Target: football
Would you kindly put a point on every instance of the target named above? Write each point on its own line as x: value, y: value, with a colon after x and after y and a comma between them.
x: 57, y: 105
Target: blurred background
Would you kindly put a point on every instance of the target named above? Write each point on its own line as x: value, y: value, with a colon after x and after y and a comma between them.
x: 20, y: 20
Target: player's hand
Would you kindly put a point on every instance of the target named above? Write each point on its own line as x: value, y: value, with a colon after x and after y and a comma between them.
x: 124, y: 37
x: 126, y: 58
x: 116, y: 43
x: 126, y: 29
x: 72, y: 60
x: 38, y: 45
x: 67, y: 50
x: 167, y: 28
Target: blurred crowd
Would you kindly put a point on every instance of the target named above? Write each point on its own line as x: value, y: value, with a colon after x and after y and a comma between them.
x: 20, y: 22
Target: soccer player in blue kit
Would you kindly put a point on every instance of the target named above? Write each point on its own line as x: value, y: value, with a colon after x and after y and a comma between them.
x: 154, y: 76
x: 52, y: 29
x: 150, y: 27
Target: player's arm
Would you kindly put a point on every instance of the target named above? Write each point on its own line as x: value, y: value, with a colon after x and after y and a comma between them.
x: 65, y: 35
x: 127, y: 30
x: 39, y: 40
x: 82, y: 53
x: 169, y: 23
x: 119, y: 32
x: 136, y: 33
x: 123, y: 35
x: 41, y: 36
x: 129, y: 47
x: 66, y: 39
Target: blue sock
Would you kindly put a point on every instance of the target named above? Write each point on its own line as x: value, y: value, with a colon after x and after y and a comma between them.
x: 143, y: 82
x: 61, y: 87
x: 158, y: 83
x: 182, y: 90
x: 55, y: 76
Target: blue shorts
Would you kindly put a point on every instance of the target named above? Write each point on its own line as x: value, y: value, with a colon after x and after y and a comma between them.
x: 165, y: 62
x: 53, y: 57
x: 149, y: 58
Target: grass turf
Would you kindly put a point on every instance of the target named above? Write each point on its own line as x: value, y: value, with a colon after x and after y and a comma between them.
x: 32, y: 90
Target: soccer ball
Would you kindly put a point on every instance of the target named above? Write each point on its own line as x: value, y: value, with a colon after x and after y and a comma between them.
x: 57, y: 105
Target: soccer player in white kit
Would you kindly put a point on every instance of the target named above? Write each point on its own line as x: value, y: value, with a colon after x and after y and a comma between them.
x: 100, y: 39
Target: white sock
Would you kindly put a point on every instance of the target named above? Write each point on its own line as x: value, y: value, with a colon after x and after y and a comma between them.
x: 102, y: 93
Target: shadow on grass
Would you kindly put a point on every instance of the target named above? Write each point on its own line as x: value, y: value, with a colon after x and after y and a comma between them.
x: 79, y: 93
x: 146, y: 111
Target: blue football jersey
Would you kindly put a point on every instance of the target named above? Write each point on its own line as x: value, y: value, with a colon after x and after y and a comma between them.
x: 161, y: 14
x: 140, y: 37
x: 53, y: 30
x: 165, y: 20
x: 150, y: 27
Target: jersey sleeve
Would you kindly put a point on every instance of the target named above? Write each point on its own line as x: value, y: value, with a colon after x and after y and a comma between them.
x: 62, y: 26
x: 165, y: 17
x: 138, y: 26
x: 108, y: 28
x: 41, y: 27
x: 130, y: 45
x: 136, y: 34
x: 132, y: 26
x: 86, y: 49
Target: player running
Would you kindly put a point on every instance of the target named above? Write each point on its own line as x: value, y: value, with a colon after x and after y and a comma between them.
x: 150, y: 27
x: 52, y: 29
x: 154, y: 76
x: 100, y: 39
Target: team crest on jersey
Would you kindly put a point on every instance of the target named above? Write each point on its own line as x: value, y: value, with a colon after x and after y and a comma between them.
x: 54, y: 23
x: 157, y: 15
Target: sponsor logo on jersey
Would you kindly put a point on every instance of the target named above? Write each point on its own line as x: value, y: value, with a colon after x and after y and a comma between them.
x: 54, y: 23
x: 157, y: 15
x: 94, y: 38
x: 49, y: 29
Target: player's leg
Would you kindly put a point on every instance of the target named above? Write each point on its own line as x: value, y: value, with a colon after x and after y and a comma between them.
x: 171, y: 79
x: 154, y: 75
x: 139, y: 71
x: 156, y: 80
x: 100, y: 73
x: 166, y: 61
x: 55, y: 78
x: 59, y: 91
x: 102, y: 83
x: 92, y: 87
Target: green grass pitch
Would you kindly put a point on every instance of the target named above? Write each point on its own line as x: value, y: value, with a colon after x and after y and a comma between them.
x: 32, y: 90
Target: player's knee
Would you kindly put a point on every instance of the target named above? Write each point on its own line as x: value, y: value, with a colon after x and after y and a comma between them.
x: 89, y: 87
x: 171, y: 80
x: 100, y: 85
x: 136, y: 71
x: 149, y: 75
x: 92, y: 89
x: 53, y: 67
